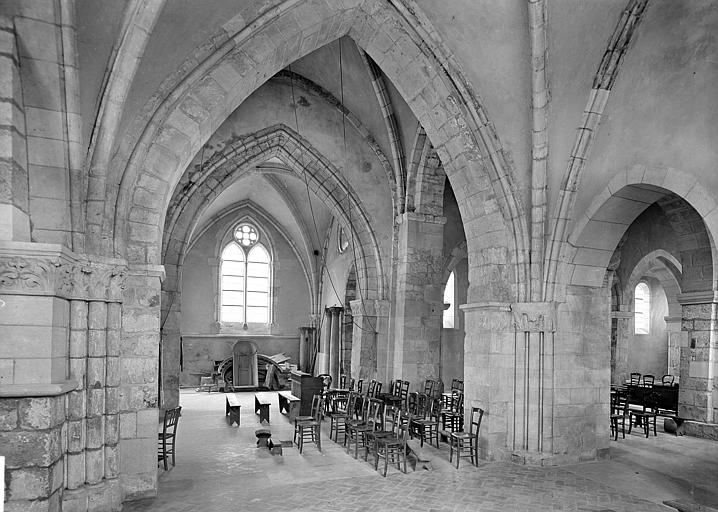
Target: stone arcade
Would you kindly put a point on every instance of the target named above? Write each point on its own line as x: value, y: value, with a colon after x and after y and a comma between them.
x: 309, y: 175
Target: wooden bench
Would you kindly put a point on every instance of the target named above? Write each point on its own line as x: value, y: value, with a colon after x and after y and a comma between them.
x: 232, y: 408
x: 261, y: 406
x: 289, y: 404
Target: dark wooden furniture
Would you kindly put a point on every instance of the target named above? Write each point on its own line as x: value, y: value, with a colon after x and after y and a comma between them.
x: 310, y: 428
x: 166, y: 438
x: 262, y: 402
x: 232, y: 408
x: 304, y: 387
x: 288, y: 404
x: 466, y: 444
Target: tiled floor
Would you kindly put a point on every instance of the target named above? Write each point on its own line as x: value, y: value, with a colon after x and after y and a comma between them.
x: 220, y: 468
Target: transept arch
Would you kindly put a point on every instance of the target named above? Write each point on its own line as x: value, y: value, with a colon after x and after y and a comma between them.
x: 462, y: 133
x: 597, y: 233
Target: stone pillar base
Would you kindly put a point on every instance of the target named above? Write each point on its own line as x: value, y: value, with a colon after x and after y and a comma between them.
x: 105, y: 496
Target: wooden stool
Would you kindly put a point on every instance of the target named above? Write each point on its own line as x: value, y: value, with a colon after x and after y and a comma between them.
x: 263, y: 437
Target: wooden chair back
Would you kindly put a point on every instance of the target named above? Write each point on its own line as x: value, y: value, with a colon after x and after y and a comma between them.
x: 635, y: 378
x: 172, y: 417
x: 371, y: 388
x: 667, y: 380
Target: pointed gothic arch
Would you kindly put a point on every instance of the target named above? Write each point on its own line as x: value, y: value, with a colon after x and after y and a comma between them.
x: 149, y: 166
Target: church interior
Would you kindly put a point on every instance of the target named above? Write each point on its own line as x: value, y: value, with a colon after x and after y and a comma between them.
x: 520, y: 196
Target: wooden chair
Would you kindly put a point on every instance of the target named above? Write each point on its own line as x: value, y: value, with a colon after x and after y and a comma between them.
x: 649, y: 380
x: 166, y: 438
x: 356, y: 430
x: 360, y: 383
x: 393, y: 447
x: 310, y: 429
x: 619, y: 414
x: 387, y: 427
x: 403, y: 392
x: 452, y: 417
x: 351, y: 384
x: 371, y: 388
x: 338, y: 416
x: 377, y: 390
x: 635, y: 379
x: 427, y: 428
x: 343, y: 381
x: 429, y: 387
x: 668, y: 380
x: 647, y: 415
x: 466, y: 444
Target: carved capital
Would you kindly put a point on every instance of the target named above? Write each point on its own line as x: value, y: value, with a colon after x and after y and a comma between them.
x: 48, y: 269
x: 534, y: 316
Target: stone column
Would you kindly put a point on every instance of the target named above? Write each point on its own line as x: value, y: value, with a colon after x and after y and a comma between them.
x: 489, y: 373
x: 95, y: 389
x: 419, y: 301
x: 138, y: 404
x: 369, y: 339
x: 698, y: 356
x: 532, y: 421
x: 77, y: 399
x: 620, y: 330
x: 676, y: 339
x: 321, y: 365
x: 306, y: 340
x: 334, y: 344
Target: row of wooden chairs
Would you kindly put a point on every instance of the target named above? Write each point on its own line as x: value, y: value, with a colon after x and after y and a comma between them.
x: 649, y: 380
x: 621, y: 412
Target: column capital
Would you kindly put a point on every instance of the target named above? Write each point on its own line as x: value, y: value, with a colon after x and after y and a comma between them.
x: 28, y: 268
x: 534, y: 316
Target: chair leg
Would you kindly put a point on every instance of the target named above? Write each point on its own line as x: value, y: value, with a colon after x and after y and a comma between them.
x: 164, y: 453
x: 173, y: 452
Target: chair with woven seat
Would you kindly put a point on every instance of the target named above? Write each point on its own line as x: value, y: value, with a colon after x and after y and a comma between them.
x: 166, y: 438
x: 338, y: 416
x: 668, y: 380
x: 466, y: 444
x: 310, y: 429
x: 393, y: 447
x: 427, y: 427
x: 386, y: 427
x: 355, y: 431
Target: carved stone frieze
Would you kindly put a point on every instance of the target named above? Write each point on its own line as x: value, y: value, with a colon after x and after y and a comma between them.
x: 534, y: 316
x: 44, y: 269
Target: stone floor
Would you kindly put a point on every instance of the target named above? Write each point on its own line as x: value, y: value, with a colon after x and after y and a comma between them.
x: 220, y: 468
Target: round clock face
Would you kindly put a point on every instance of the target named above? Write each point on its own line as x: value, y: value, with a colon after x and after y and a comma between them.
x: 342, y: 240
